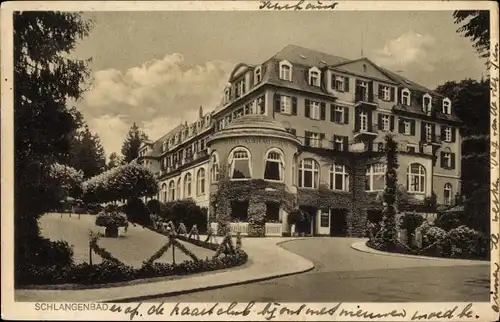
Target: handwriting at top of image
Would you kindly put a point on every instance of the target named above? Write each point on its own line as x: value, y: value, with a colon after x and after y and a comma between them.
x: 299, y: 5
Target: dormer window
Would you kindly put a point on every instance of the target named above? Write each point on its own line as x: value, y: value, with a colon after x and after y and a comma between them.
x: 446, y: 106
x: 240, y: 88
x: 405, y: 97
x: 257, y: 75
x: 163, y: 147
x: 285, y: 71
x: 227, y: 95
x: 314, y: 77
x: 427, y: 104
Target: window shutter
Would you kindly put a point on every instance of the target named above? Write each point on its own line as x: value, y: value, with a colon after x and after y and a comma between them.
x: 380, y: 94
x: 422, y: 131
x: 452, y: 161
x: 277, y: 102
x: 357, y: 124
x: 307, y: 140
x: 379, y: 126
x: 346, y: 84
x: 346, y: 115
x: 333, y: 141
x: 346, y: 142
x: 370, y: 91
x: 307, y: 108
x: 453, y: 134
x: 443, y: 133
x: 412, y: 127
x: 443, y: 165
x: 433, y: 131
x: 392, y: 123
x: 392, y: 94
x: 370, y: 121
x: 333, y: 82
x: 294, y: 105
x: 322, y: 108
x: 321, y: 138
x: 332, y: 113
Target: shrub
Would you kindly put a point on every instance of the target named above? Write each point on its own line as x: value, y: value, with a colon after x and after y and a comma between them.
x: 105, y: 219
x: 447, y: 221
x: 154, y: 206
x: 186, y: 211
x: 137, y: 212
x: 465, y: 242
x: 410, y: 222
x: 433, y: 235
x: 94, y: 208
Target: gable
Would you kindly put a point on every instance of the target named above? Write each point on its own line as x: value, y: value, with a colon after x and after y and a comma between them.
x: 366, y: 68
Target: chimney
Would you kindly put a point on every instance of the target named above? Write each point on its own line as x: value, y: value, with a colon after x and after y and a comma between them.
x: 201, y: 112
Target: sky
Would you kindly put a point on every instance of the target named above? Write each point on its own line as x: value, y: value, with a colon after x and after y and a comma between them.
x: 158, y: 68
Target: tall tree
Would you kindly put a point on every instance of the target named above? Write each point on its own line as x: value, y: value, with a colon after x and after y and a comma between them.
x: 475, y: 25
x: 87, y: 153
x: 114, y: 161
x: 132, y: 143
x: 44, y: 79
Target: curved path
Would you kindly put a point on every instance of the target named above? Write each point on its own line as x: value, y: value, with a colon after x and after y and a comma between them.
x: 344, y: 274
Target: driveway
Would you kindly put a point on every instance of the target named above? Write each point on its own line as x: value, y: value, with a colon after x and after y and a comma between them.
x: 343, y: 274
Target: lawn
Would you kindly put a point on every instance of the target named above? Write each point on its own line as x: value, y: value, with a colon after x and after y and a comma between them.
x: 132, y: 247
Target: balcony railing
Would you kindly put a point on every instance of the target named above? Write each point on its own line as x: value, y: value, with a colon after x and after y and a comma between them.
x: 432, y: 139
x: 362, y: 97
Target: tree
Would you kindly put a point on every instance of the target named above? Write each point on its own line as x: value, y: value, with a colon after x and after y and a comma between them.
x: 45, y: 78
x: 221, y: 201
x: 114, y: 161
x: 476, y: 26
x: 66, y: 181
x: 87, y: 153
x: 132, y: 143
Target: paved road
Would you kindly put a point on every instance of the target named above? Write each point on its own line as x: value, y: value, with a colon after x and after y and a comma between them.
x: 346, y: 275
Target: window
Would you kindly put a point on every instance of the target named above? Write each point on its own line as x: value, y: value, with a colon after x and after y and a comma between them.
x: 274, y: 165
x: 446, y: 106
x: 427, y: 104
x: 257, y: 77
x: 338, y: 114
x: 411, y: 149
x: 416, y: 178
x: 339, y: 178
x: 313, y: 139
x: 286, y: 71
x: 261, y: 104
x: 405, y: 97
x: 339, y: 83
x: 214, y: 170
x: 338, y: 143
x: 314, y: 77
x: 407, y: 127
x: 164, y: 146
x: 375, y: 177
x: 447, y: 194
x: 386, y: 93
x: 314, y: 110
x: 286, y: 105
x: 308, y: 174
x: 272, y: 211
x: 446, y: 160
x: 202, y: 144
x: 428, y: 132
x: 386, y: 123
x: 447, y: 134
x: 171, y: 190
x: 187, y: 185
x: 178, y: 188
x: 200, y: 182
x: 239, y: 161
x: 240, y: 88
x: 227, y: 95
x: 363, y: 121
x: 164, y: 193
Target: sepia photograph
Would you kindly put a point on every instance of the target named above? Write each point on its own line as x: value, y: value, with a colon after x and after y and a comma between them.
x: 282, y: 152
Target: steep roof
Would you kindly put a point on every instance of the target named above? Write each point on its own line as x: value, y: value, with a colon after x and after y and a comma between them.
x: 309, y: 57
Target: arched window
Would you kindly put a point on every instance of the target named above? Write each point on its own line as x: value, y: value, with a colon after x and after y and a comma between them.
x: 178, y: 188
x: 375, y: 177
x: 239, y: 164
x: 314, y: 76
x: 274, y: 165
x: 200, y: 182
x: 214, y: 169
x: 427, y: 103
x: 448, y: 193
x: 285, y: 70
x: 446, y: 106
x: 187, y: 185
x: 405, y: 96
x: 308, y: 174
x: 164, y: 195
x: 416, y: 178
x: 171, y: 190
x: 339, y: 178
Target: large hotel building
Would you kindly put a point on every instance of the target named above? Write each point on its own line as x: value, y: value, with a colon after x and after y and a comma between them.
x: 306, y: 129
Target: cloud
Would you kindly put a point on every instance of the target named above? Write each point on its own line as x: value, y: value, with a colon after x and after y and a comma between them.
x: 157, y: 95
x: 411, y: 49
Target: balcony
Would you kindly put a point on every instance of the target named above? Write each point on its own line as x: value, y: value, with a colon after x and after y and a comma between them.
x: 432, y: 140
x: 363, y: 99
x: 366, y: 132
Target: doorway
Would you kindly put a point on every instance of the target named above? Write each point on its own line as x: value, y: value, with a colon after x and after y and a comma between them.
x: 309, y: 227
x: 338, y: 222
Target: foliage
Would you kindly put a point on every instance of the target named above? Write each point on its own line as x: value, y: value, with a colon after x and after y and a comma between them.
x: 87, y: 153
x: 410, y: 222
x: 388, y: 235
x: 465, y: 242
x: 132, y: 143
x: 447, y: 221
x: 221, y: 200
x: 433, y: 235
x: 67, y: 179
x: 185, y: 211
x: 111, y: 218
x: 430, y: 202
x: 137, y: 212
x: 299, y: 218
x: 476, y: 26
x: 124, y: 182
x: 45, y: 79
x: 403, y: 199
x: 154, y: 206
x: 104, y: 254
x: 114, y: 161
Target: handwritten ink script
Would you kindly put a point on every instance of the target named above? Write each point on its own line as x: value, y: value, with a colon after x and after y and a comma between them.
x: 495, y: 199
x: 273, y: 310
x: 300, y: 5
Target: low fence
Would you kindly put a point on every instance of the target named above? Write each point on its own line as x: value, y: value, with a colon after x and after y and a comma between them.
x: 272, y: 229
